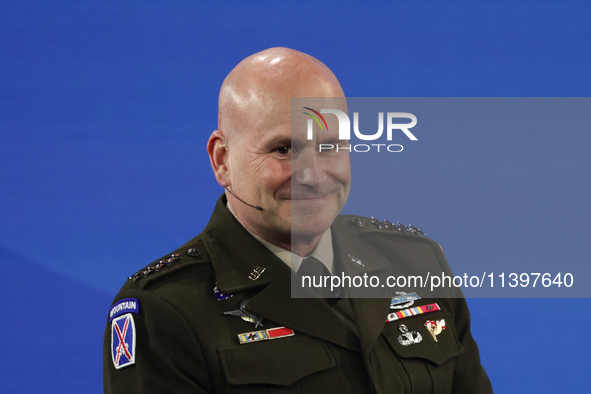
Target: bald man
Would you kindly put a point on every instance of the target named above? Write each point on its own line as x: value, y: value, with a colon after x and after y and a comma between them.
x: 254, y: 152
x: 217, y: 315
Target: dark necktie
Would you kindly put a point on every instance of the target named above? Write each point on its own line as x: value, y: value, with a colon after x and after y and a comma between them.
x: 312, y: 267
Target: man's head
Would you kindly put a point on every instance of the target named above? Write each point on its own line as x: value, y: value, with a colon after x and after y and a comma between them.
x: 255, y: 154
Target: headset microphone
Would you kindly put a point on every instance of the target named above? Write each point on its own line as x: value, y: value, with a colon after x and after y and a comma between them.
x: 244, y: 202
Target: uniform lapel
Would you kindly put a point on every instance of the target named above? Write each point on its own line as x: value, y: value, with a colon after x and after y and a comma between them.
x: 312, y: 316
x: 354, y: 257
x: 235, y: 255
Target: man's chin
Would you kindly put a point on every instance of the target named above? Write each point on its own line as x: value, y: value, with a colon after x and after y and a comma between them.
x: 305, y: 226
x: 313, y: 217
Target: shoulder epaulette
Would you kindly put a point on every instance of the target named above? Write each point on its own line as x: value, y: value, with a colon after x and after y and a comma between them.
x: 186, y: 255
x: 386, y: 225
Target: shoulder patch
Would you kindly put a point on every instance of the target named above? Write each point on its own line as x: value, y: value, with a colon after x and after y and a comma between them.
x: 386, y: 225
x: 123, y: 341
x: 126, y: 305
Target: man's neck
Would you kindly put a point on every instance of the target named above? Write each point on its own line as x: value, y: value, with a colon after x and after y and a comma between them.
x: 322, y: 249
x: 303, y: 246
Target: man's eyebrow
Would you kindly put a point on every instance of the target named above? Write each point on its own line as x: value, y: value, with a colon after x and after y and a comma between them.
x: 278, y: 141
x: 333, y: 141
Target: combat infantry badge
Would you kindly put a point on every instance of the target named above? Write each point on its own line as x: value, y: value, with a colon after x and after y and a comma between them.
x: 403, y: 300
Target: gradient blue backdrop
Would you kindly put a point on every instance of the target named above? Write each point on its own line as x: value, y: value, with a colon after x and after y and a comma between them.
x: 105, y: 108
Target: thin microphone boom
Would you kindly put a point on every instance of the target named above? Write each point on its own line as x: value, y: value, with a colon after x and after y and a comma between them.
x: 244, y: 202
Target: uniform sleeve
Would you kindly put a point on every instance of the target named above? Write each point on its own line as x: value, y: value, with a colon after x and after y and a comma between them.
x: 469, y: 376
x: 159, y: 354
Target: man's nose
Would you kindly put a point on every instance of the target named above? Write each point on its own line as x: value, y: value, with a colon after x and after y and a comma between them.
x: 307, y: 168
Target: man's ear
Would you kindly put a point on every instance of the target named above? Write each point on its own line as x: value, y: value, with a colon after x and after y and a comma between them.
x: 218, y: 156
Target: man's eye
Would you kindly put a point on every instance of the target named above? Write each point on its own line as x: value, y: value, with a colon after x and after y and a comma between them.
x: 284, y: 150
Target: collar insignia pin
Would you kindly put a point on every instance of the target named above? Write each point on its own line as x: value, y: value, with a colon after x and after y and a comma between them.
x: 256, y: 273
x: 356, y: 261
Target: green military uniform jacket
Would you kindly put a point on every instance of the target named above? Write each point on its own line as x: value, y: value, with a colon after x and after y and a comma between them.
x: 182, y: 342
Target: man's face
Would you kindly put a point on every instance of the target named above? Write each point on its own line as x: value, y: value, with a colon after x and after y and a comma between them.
x: 300, y: 189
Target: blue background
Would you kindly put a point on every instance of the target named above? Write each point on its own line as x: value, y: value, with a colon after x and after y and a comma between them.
x: 105, y: 108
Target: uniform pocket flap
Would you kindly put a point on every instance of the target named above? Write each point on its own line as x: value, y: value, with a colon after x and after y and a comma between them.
x: 446, y: 347
x: 278, y: 362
